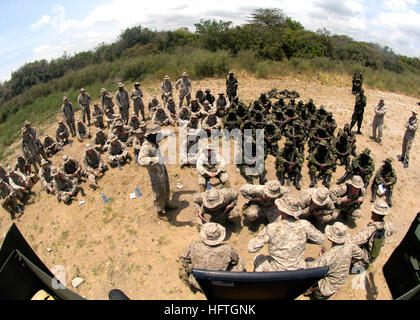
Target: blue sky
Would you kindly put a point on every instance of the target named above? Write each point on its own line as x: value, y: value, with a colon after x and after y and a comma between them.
x: 34, y: 30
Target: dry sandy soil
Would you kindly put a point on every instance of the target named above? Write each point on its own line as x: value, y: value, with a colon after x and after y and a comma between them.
x: 122, y: 245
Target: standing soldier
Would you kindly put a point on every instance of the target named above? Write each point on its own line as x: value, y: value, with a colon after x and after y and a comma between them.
x: 137, y: 96
x: 185, y: 87
x: 410, y: 132
x: 166, y: 89
x: 62, y: 133
x: 98, y: 116
x: 363, y: 165
x: 106, y: 101
x: 322, y: 161
x: 123, y: 102
x: 341, y: 148
x: 378, y: 120
x: 348, y: 199
x: 388, y: 178
x: 84, y: 100
x: 359, y: 109
x: 30, y: 150
x: 68, y: 114
x: 34, y: 135
x: 94, y: 165
x: 150, y: 158
x: 231, y: 86
x: 290, y: 162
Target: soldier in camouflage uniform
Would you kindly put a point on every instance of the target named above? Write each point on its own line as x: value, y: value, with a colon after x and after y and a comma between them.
x: 93, y: 165
x: 272, y: 137
x: 9, y: 199
x: 362, y: 165
x: 209, y: 254
x: 30, y: 149
x: 183, y: 116
x: 411, y: 128
x: 322, y: 161
x: 316, y: 135
x: 166, y: 89
x: 341, y: 148
x: 348, y: 199
x: 231, y: 120
x: 117, y: 152
x: 372, y: 239
x: 194, y: 123
x: 199, y: 96
x: 84, y: 100
x: 138, y: 142
x: 290, y: 162
x: 240, y: 108
x: 359, y: 109
x: 150, y: 158
x: 172, y: 109
x: 185, y: 88
x: 110, y: 118
x: 211, y: 165
x: 32, y: 132
x: 216, y: 206
x: 65, y: 189
x: 68, y: 114
x: 351, y: 138
x: 62, y: 133
x: 123, y: 101
x: 317, y: 205
x: 189, y: 149
x: 19, y: 183
x: 338, y: 260
x: 231, y: 86
x: 378, y: 121
x: 385, y: 175
x: 101, y: 141
x: 72, y: 169
x: 329, y: 124
x: 24, y: 167
x: 211, y: 122
x: 286, y: 239
x: 195, y: 105
x: 50, y: 146
x: 261, y: 200
x: 161, y: 117
x: 209, y: 97
x: 221, y: 105
x: 123, y: 132
x: 134, y: 122
x: 82, y: 130
x: 98, y: 116
x: 295, y: 132
x: 137, y: 96
x: 45, y: 177
x: 253, y: 161
x: 106, y: 101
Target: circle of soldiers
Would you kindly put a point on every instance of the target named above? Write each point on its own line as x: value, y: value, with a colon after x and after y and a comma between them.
x: 291, y: 221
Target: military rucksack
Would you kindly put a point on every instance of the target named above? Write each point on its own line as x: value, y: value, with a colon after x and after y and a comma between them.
x: 378, y: 242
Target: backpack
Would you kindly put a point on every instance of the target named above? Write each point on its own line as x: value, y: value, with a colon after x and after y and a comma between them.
x: 378, y: 242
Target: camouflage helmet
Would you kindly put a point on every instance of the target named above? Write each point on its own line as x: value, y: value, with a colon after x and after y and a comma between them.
x: 90, y: 146
x: 323, y: 143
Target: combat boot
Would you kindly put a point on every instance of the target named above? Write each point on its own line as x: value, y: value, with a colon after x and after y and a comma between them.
x: 327, y: 180
x: 297, y: 178
x: 374, y: 192
x: 162, y: 216
x: 388, y: 199
x: 406, y: 164
x: 170, y: 207
x: 343, y: 178
x: 313, y: 180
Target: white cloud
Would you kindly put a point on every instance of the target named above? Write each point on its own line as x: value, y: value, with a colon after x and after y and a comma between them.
x: 45, y: 19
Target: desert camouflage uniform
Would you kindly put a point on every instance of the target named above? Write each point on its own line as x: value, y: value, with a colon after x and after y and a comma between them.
x: 149, y: 158
x: 195, y: 106
x: 107, y: 103
x: 410, y: 132
x: 20, y: 184
x: 123, y: 133
x: 73, y: 170
x: 351, y: 210
x: 209, y: 124
x: 171, y: 109
x: 84, y: 100
x: 32, y: 132
x: 24, y: 167
x: 326, y: 212
x: 117, y: 153
x: 166, y: 90
x: 8, y: 199
x: 110, y: 119
x: 68, y: 115
x: 152, y: 106
x: 62, y: 186
x: 183, y: 117
x: 101, y: 142
x: 50, y: 146
x: 378, y: 121
x: 46, y: 178
x: 196, y: 124
x: 162, y: 118
x: 91, y: 163
x: 62, y: 134
x: 134, y: 123
x: 137, y: 143
x: 83, y: 132
x: 186, y: 86
x: 123, y: 102
x: 136, y: 95
x: 98, y: 118
x: 30, y: 151
x: 214, y: 165
x: 266, y: 207
x: 286, y: 239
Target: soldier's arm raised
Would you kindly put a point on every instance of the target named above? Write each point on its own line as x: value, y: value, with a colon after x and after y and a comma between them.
x: 259, y: 241
x: 313, y: 234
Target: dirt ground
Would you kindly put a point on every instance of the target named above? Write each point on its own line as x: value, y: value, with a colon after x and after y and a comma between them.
x: 122, y: 245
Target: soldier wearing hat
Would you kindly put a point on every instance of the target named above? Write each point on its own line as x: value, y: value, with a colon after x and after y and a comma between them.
x: 134, y: 122
x: 82, y: 131
x: 138, y: 141
x: 189, y: 148
x: 110, y: 118
x: 84, y: 100
x: 362, y: 165
x: 216, y: 205
x: 221, y: 105
x: 378, y: 120
x: 323, y: 162
x: 23, y: 166
x: 286, y: 239
x: 72, y: 169
x: 152, y: 106
x: 98, y: 116
x: 65, y: 189
x: 359, y: 109
x: 106, y: 101
x: 50, y: 146
x: 30, y: 149
x: 117, y: 152
x: 34, y: 136
x: 166, y: 89
x: 209, y: 97
x: 171, y: 109
x: 317, y: 205
x: 123, y: 132
x: 388, y: 178
x: 101, y: 141
x: 211, y: 122
x: 231, y: 86
x: 410, y: 132
x: 261, y: 200
x: 68, y: 114
x: 372, y: 238
x: 93, y: 165
x: 19, y: 183
x: 150, y: 159
x: 348, y: 199
x: 8, y: 199
x: 289, y: 161
x: 184, y: 86
x: 45, y: 176
x: 123, y: 101
x: 342, y: 148
x: 137, y: 96
x: 62, y: 133
x: 338, y: 260
x: 194, y: 122
x: 211, y: 165
x: 183, y: 116
x: 210, y: 253
x: 196, y: 106
x: 161, y: 117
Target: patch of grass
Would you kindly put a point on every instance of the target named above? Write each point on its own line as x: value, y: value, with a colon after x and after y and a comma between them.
x: 162, y: 241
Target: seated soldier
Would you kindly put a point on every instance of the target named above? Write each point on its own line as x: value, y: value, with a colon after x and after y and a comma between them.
x: 231, y: 120
x: 211, y: 122
x: 363, y: 165
x: 62, y: 133
x: 341, y: 148
x: 82, y: 130
x: 110, y: 118
x: 252, y: 163
x: 317, y: 205
x: 348, y: 199
x: 24, y: 167
x: 152, y: 106
x: 189, y: 149
x: 98, y: 116
x: 65, y: 189
x: 134, y: 122
x: 194, y: 123
x: 286, y: 239
x: 183, y: 116
x: 45, y: 176
x: 101, y: 141
x: 322, y: 160
x: 209, y: 97
x: 195, y: 106
x: 8, y: 199
x: 209, y: 254
x: 216, y: 205
x: 93, y: 165
x: 261, y: 200
x: 221, y: 105
x: 138, y: 141
x: 117, y: 152
x: 161, y: 117
x: 50, y: 146
x: 199, y: 97
x: 171, y: 109
x: 204, y: 111
x: 289, y: 161
x: 211, y: 165
x: 19, y: 183
x: 122, y: 132
x: 388, y: 178
x: 72, y: 169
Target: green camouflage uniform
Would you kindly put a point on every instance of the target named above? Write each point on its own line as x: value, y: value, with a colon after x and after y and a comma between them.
x: 363, y: 165
x: 342, y: 148
x: 359, y: 109
x: 322, y: 160
x: 231, y: 87
x: 289, y: 162
x: 385, y: 174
